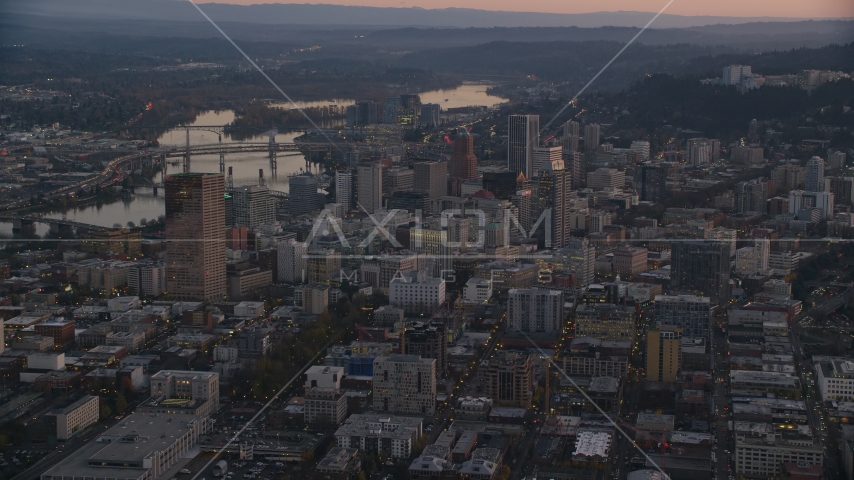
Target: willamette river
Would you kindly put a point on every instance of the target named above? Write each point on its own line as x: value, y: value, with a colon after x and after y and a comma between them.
x: 245, y: 167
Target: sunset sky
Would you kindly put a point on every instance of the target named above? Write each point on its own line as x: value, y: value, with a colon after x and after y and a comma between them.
x: 730, y: 8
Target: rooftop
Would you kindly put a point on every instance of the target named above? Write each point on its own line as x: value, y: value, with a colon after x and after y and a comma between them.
x: 593, y: 444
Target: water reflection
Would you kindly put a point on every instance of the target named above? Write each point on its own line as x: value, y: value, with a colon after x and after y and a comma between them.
x: 245, y: 166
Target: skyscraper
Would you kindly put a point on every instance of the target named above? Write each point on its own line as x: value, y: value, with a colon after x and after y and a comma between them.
x: 431, y: 178
x: 463, y: 161
x: 788, y: 177
x: 842, y: 189
x: 751, y: 196
x: 344, y: 189
x: 701, y: 266
x: 370, y: 186
x: 702, y: 151
x: 574, y: 163
x: 523, y: 134
x: 535, y: 310
x: 543, y: 155
x: 553, y: 188
x: 653, y: 184
x: 195, y: 232
x: 292, y: 262
x: 641, y: 147
x: 390, y: 107
x: 409, y: 111
x: 570, y: 138
x: 405, y: 384
x: 253, y: 206
x: 690, y: 313
x: 579, y: 257
x: 591, y: 137
x: 815, y: 175
x: 663, y: 354
x: 303, y: 194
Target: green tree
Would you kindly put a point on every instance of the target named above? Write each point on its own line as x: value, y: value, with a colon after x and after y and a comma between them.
x: 121, y: 403
x: 106, y: 412
x: 503, y: 472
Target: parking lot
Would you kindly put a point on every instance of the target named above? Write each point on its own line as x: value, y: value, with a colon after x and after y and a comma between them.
x: 17, y: 459
x: 237, y: 469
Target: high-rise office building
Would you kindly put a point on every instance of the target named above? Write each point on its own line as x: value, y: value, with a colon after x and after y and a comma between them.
x: 605, y: 321
x: 663, y: 354
x: 323, y: 266
x: 523, y: 135
x: 428, y: 340
x: 543, y: 155
x: 641, y: 148
x: 463, y: 161
x: 733, y: 74
x: 510, y: 378
x: 569, y: 140
x: 535, y: 310
x: 502, y: 183
x: 751, y: 196
x: 398, y: 179
x: 702, y: 267
x: 754, y: 260
x: 370, y: 186
x: 405, y: 384
x: 690, y: 313
x: 195, y: 233
x: 429, y: 115
x: 253, y: 206
x: 579, y: 257
x: 815, y: 175
x: 842, y: 189
x: 591, y: 137
x: 747, y: 155
x: 292, y: 261
x: 603, y: 178
x: 836, y: 160
x: 571, y: 127
x: 553, y: 192
x: 364, y: 113
x: 369, y: 113
x: 702, y: 151
x: 802, y: 200
x: 431, y: 178
x: 344, y: 189
x: 573, y: 162
x: 409, y: 111
x: 653, y: 183
x: 390, y: 107
x: 303, y: 194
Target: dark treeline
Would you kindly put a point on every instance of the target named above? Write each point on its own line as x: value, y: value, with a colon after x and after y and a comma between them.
x: 719, y: 111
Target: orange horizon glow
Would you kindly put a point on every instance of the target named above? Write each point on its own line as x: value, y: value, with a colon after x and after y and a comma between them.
x: 827, y: 9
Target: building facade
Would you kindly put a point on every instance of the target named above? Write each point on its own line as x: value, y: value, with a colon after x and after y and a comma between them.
x: 195, y: 232
x: 405, y: 384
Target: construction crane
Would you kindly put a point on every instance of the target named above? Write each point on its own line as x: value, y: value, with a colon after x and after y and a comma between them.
x: 361, y: 329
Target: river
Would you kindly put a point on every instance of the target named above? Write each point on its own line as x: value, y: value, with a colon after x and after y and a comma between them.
x: 245, y: 166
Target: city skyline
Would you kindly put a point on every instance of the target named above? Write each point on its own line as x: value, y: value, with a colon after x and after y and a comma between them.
x: 829, y: 9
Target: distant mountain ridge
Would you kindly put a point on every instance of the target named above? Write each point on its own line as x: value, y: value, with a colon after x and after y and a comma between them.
x: 329, y: 15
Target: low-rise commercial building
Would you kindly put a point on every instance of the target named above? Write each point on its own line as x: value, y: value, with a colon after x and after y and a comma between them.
x: 76, y: 416
x: 761, y: 449
x: 142, y: 446
x: 384, y: 434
